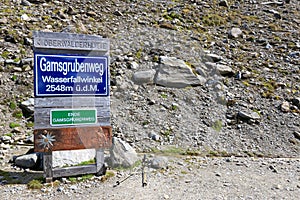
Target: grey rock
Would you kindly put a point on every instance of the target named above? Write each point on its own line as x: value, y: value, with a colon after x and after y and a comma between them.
x: 5, y: 138
x: 17, y: 69
x: 225, y: 70
x: 120, y: 58
x: 285, y: 106
x: 1, y: 60
x: 27, y: 61
x: 25, y: 3
x: 218, y: 174
x: 29, y: 139
x: 122, y: 154
x: 214, y: 57
x: 159, y: 162
x: 28, y: 107
x: 294, y: 54
x: 25, y: 17
x: 246, y: 75
x: 12, y: 62
x: 3, y: 20
x: 174, y: 73
x: 296, y: 102
x: 91, y: 14
x: 201, y: 71
x: 151, y: 101
x: 37, y: 1
x: 297, y: 135
x: 18, y: 129
x: 28, y: 41
x: 10, y: 38
x: 154, y: 136
x: 144, y: 77
x: 73, y: 187
x: 268, y: 46
x: 223, y: 3
x: 248, y: 115
x: 68, y: 28
x: 235, y: 32
x: 275, y: 13
x: 26, y: 68
x: 221, y: 69
x: 71, y: 11
x: 65, y: 180
x: 278, y: 3
x: 210, y: 65
x: 4, y: 146
x: 63, y: 16
x: 133, y: 65
x: 27, y: 161
x: 118, y: 13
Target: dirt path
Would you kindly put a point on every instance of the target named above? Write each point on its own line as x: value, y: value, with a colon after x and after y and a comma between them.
x: 184, y: 178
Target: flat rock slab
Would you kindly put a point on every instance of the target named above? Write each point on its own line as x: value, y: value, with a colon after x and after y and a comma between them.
x: 175, y: 73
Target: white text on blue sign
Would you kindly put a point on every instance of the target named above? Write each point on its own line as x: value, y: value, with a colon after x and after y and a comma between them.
x: 65, y: 75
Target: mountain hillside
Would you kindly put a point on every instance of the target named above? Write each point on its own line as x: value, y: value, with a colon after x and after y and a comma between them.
x: 238, y: 93
x: 207, y: 89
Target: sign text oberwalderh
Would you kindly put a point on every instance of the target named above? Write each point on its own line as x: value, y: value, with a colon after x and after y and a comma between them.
x: 78, y: 43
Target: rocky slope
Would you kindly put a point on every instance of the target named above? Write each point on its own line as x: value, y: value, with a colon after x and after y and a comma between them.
x: 245, y: 55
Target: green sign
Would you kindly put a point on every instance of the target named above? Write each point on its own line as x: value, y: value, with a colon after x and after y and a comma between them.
x: 61, y: 117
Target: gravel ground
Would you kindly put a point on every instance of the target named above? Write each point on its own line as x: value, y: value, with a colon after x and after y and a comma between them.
x: 184, y: 178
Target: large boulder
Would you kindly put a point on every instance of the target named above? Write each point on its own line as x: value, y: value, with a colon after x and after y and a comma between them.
x: 122, y: 154
x: 175, y: 73
x: 159, y: 162
x: 143, y: 77
x: 30, y: 160
x: 28, y: 107
x: 26, y: 161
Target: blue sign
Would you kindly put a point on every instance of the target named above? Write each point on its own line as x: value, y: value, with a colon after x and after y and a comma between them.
x: 69, y: 75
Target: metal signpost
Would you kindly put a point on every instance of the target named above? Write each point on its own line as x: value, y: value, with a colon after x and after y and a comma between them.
x: 72, y: 103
